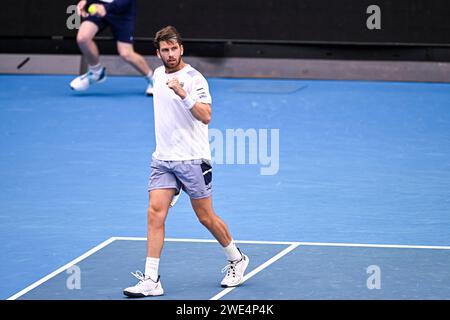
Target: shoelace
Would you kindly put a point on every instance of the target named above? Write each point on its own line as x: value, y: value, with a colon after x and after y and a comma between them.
x: 139, y: 275
x: 231, y: 267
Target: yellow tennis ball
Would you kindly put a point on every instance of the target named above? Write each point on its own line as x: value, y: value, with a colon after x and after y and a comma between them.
x: 92, y: 9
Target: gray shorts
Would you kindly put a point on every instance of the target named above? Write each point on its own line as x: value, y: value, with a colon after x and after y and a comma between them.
x: 192, y: 176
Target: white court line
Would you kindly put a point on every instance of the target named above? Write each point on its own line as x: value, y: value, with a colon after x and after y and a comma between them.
x: 56, y: 272
x: 323, y: 244
x: 255, y: 271
x: 367, y: 245
x: 203, y: 240
x: 292, y: 245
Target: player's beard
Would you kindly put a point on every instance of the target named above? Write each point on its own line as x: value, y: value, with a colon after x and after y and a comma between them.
x: 172, y: 64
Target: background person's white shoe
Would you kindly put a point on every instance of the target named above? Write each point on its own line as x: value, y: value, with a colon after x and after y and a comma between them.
x: 145, y: 287
x: 235, y: 272
x: 83, y: 82
x: 149, y: 91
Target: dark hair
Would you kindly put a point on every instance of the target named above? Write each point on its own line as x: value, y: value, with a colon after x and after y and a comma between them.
x: 169, y: 34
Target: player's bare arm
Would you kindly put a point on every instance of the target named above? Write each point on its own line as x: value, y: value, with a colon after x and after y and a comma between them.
x: 81, y: 8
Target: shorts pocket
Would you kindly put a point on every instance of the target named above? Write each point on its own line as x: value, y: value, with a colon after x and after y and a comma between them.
x: 207, y: 172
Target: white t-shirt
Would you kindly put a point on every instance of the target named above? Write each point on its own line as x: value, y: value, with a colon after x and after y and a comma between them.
x: 179, y: 136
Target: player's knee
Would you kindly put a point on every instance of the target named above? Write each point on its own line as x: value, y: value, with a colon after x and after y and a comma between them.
x: 206, y: 217
x: 83, y: 39
x: 207, y: 221
x: 126, y: 55
x: 156, y: 215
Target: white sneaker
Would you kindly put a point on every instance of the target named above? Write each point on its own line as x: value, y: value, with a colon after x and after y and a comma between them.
x: 145, y: 287
x: 235, y: 272
x: 149, y: 91
x: 83, y: 82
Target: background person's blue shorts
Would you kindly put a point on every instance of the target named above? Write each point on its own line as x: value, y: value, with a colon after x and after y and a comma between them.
x: 122, y: 27
x: 192, y: 176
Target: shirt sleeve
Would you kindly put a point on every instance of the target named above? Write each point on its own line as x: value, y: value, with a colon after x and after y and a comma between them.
x: 200, y: 89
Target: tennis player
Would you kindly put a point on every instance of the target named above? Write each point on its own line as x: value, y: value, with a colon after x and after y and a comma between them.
x: 120, y: 16
x: 181, y: 161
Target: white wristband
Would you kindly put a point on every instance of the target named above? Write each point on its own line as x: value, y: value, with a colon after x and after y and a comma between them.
x: 188, y: 102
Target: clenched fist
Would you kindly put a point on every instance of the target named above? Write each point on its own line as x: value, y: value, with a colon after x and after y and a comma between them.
x: 176, y: 86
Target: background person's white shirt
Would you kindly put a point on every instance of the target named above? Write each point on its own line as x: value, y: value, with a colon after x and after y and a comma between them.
x: 179, y: 136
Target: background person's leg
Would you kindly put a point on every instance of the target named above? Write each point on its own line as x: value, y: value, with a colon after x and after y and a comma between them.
x: 85, y: 36
x: 127, y: 53
x: 96, y: 72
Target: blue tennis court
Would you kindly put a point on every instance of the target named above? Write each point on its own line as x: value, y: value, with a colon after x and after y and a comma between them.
x: 340, y: 191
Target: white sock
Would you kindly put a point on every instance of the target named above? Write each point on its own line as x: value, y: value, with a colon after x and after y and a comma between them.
x: 151, y: 268
x: 232, y: 252
x: 149, y: 76
x: 97, y: 68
